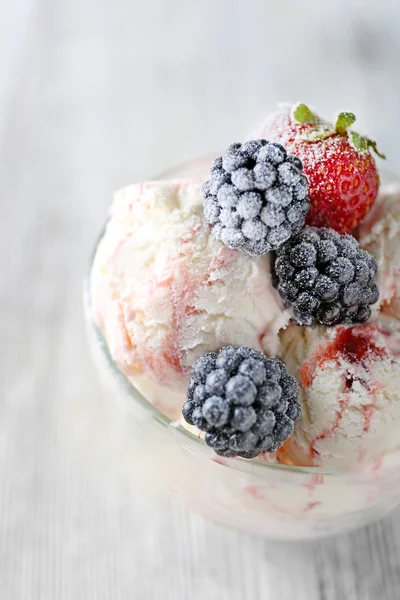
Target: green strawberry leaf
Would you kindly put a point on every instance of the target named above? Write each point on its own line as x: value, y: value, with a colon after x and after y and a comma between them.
x: 363, y: 144
x: 322, y: 130
x: 343, y: 122
x: 302, y: 114
x: 358, y: 142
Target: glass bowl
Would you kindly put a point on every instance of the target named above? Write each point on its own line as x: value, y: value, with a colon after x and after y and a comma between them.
x: 275, y: 501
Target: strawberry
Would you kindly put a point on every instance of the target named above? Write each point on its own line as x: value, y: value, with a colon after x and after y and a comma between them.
x: 341, y: 171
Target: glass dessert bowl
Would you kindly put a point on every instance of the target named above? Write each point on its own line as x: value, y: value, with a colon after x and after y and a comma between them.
x: 277, y: 501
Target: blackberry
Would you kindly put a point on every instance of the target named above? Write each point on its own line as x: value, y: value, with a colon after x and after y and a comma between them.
x: 326, y: 278
x: 256, y: 197
x: 246, y: 403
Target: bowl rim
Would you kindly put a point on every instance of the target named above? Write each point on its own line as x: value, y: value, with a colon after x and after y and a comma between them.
x: 173, y: 428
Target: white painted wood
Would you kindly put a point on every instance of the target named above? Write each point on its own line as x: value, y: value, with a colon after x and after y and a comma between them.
x: 111, y: 92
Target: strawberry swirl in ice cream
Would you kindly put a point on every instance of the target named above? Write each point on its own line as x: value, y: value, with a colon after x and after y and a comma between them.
x: 165, y: 291
x: 379, y: 233
x: 349, y: 392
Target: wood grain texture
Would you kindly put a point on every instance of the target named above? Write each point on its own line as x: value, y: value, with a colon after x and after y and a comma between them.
x: 109, y: 93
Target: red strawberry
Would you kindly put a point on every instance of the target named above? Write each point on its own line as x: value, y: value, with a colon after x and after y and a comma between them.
x: 341, y: 171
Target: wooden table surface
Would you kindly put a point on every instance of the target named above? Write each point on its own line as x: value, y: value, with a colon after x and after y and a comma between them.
x: 107, y: 93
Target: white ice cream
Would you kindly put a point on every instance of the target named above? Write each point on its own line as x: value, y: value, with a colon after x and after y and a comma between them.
x: 165, y: 291
x: 349, y: 391
x: 380, y: 235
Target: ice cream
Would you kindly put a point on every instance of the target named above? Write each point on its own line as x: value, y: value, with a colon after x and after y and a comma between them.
x: 350, y: 378
x: 168, y: 286
x: 380, y: 235
x: 349, y: 391
x: 165, y: 291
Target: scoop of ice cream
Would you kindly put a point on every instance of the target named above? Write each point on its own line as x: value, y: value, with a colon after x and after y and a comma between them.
x: 165, y: 291
x: 379, y: 234
x: 349, y: 391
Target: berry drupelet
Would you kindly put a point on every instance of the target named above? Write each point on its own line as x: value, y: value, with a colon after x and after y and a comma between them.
x: 256, y: 198
x: 326, y: 278
x: 246, y: 403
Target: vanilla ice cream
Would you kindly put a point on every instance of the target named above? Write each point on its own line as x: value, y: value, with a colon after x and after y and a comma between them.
x: 349, y: 391
x: 165, y: 291
x: 379, y: 234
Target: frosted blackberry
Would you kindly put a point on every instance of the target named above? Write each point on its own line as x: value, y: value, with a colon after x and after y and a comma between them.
x: 326, y: 278
x: 246, y: 403
x: 256, y: 197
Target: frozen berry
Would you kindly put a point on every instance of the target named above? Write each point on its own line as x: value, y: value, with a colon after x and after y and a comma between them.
x: 326, y: 278
x: 256, y: 197
x: 246, y: 403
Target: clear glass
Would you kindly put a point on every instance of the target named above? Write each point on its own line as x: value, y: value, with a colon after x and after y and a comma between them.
x: 275, y: 501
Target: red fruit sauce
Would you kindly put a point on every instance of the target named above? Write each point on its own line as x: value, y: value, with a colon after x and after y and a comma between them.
x: 353, y: 344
